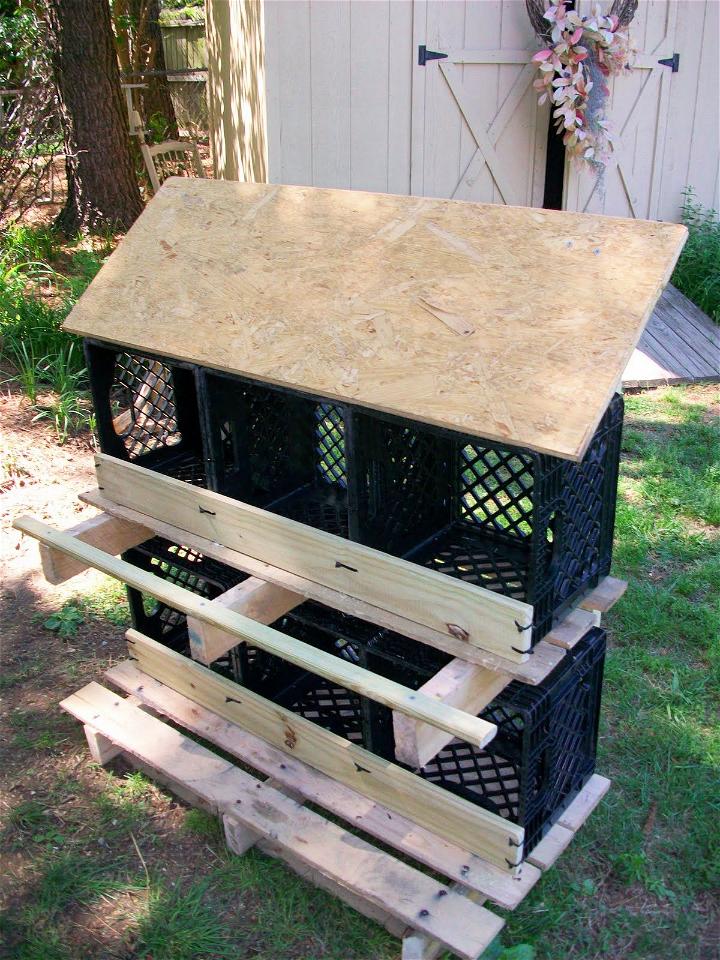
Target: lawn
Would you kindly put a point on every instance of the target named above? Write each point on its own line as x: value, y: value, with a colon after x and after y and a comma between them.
x: 101, y: 864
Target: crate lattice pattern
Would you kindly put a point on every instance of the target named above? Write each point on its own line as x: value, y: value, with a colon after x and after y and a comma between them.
x: 143, y: 402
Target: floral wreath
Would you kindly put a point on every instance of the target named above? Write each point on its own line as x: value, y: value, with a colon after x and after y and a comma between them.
x: 581, y: 53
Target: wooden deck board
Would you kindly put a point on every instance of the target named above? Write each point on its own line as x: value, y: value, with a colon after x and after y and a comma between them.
x: 680, y: 344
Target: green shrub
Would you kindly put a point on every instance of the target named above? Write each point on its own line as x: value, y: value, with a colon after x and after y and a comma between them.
x: 697, y: 273
x: 35, y: 298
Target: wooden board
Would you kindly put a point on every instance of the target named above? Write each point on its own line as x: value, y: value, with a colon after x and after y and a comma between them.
x: 423, y: 903
x: 474, y: 614
x: 544, y: 659
x: 110, y: 534
x: 394, y: 695
x: 680, y: 344
x: 462, y: 684
x: 452, y: 817
x: 253, y: 598
x: 412, y: 840
x: 560, y: 835
x: 346, y: 295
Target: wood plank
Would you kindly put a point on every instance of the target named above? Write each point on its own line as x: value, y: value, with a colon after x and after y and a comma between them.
x: 107, y: 533
x: 456, y: 819
x: 303, y: 655
x: 553, y: 844
x: 479, y: 616
x: 698, y: 339
x: 254, y: 598
x: 605, y: 595
x: 461, y: 684
x: 301, y: 322
x: 410, y: 895
x: 418, y: 946
x: 346, y: 894
x: 544, y: 659
x: 375, y: 876
x: 667, y: 336
x: 290, y: 773
x: 585, y: 802
x: 571, y: 629
x: 560, y: 835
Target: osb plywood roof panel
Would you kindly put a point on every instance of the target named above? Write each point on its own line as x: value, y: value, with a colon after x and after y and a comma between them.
x: 509, y: 323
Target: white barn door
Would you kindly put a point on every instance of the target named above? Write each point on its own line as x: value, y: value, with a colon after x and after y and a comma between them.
x: 638, y: 110
x: 477, y: 132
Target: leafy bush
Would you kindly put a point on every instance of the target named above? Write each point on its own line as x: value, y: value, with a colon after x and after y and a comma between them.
x: 35, y: 298
x: 697, y: 273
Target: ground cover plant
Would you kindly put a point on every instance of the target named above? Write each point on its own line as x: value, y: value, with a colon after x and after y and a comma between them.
x: 697, y: 273
x: 101, y: 863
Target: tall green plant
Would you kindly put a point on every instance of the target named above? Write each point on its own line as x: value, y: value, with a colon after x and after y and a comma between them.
x: 697, y: 273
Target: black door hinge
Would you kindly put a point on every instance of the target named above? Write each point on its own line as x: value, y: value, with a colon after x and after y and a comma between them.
x: 673, y: 62
x: 424, y: 55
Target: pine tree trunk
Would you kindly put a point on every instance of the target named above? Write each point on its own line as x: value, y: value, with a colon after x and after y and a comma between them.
x: 102, y: 187
x: 156, y: 97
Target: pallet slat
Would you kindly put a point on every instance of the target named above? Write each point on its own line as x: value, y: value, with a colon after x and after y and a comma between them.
x: 394, y: 829
x: 479, y: 616
x: 303, y: 655
x: 423, y: 903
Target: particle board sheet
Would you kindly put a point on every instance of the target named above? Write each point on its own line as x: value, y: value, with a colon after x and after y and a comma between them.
x: 509, y: 323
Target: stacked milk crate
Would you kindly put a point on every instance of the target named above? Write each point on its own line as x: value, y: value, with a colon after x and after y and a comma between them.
x: 530, y: 526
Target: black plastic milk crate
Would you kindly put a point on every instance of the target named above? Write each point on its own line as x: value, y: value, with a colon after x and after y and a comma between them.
x: 527, y: 525
x: 146, y: 410
x: 278, y: 450
x: 359, y: 719
x: 184, y: 567
x: 545, y: 748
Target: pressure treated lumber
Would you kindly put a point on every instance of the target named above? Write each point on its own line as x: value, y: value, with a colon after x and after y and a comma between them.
x: 391, y: 828
x: 347, y: 294
x: 477, y: 830
x: 303, y: 655
x: 545, y: 656
x: 429, y: 906
x: 459, y: 684
x: 110, y: 534
x: 254, y: 598
x: 479, y: 616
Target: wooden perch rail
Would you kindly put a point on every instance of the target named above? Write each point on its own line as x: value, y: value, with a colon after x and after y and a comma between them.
x: 362, y: 681
x: 544, y: 659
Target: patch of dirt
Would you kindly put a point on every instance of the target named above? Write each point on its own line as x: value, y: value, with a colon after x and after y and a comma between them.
x: 44, y: 762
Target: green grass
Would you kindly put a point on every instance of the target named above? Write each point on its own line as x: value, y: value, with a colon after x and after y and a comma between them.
x: 697, y: 273
x: 39, y: 283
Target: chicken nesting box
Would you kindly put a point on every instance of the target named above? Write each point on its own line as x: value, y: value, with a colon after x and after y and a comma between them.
x: 433, y: 379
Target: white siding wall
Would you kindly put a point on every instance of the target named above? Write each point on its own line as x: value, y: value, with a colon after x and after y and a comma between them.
x: 348, y: 106
x: 339, y: 88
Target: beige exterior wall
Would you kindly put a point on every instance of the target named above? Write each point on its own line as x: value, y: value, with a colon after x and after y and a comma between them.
x: 348, y: 106
x: 236, y: 89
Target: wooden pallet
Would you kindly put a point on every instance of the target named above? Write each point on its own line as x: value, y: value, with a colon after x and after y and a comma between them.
x: 426, y: 914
